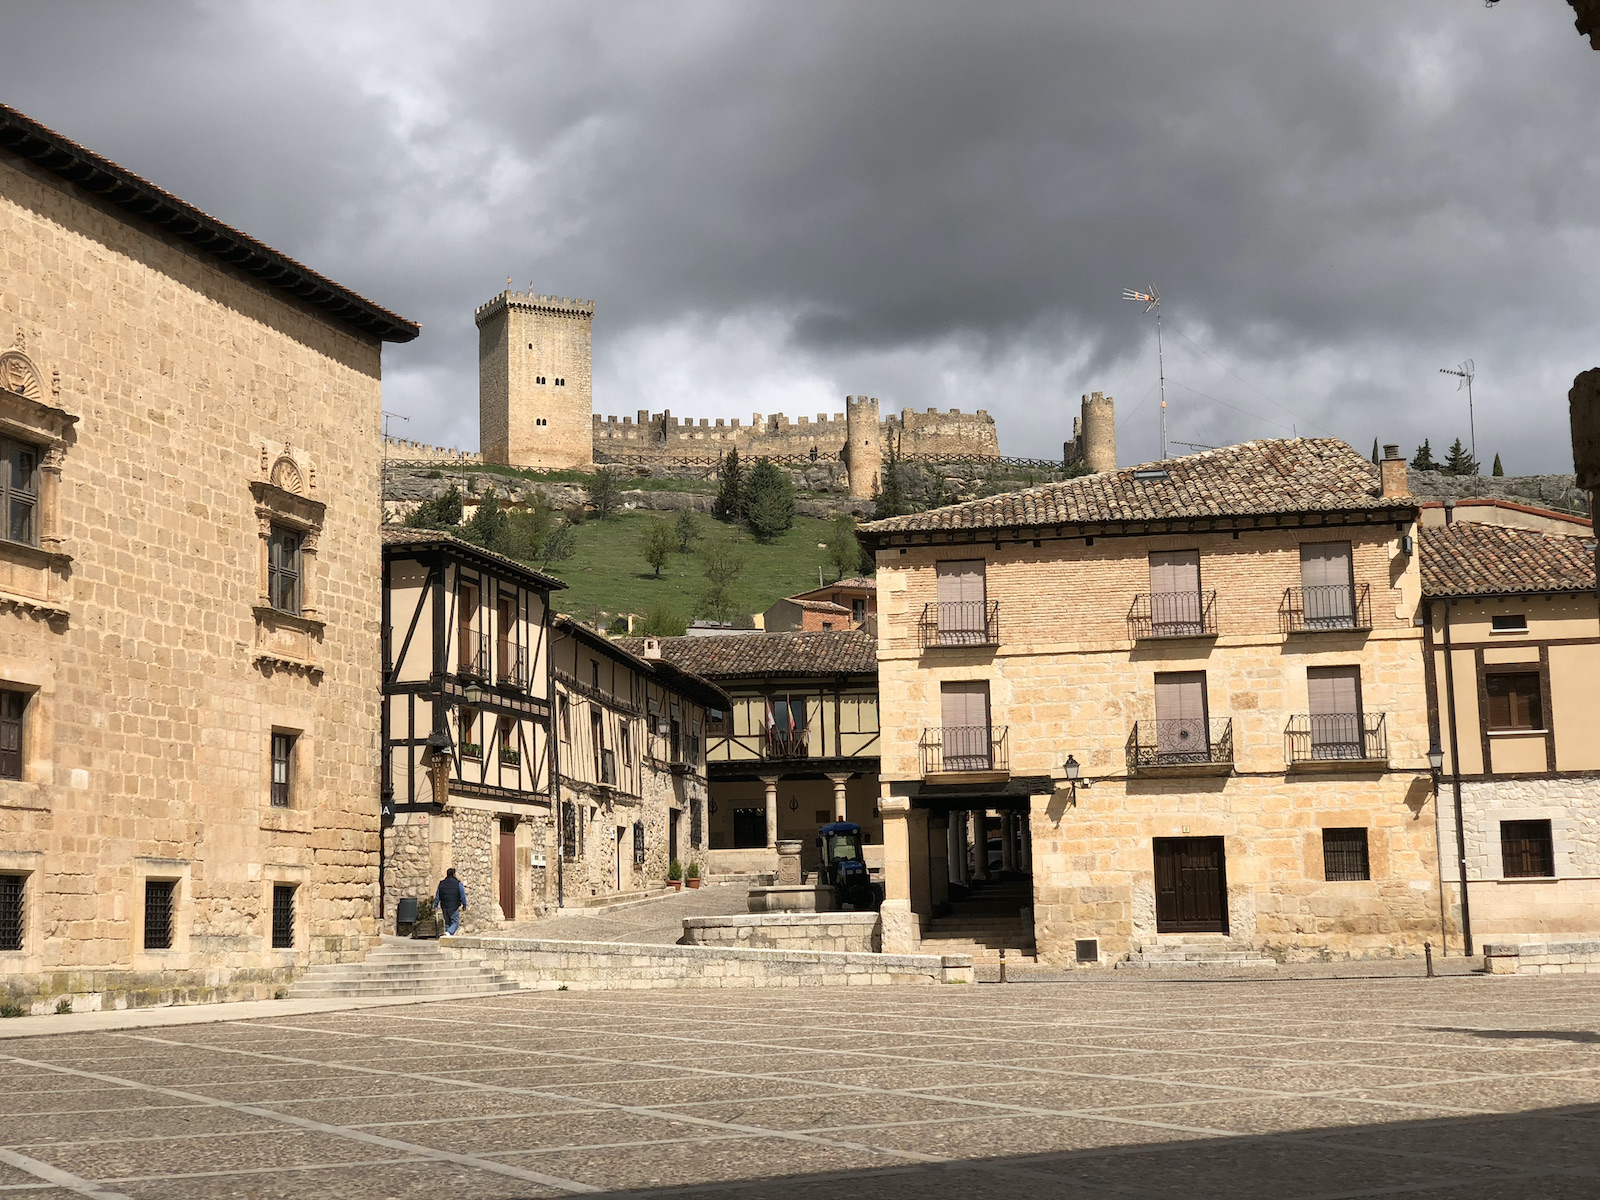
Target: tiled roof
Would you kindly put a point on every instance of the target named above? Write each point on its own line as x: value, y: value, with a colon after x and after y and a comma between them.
x: 1468, y: 559
x: 418, y: 539
x: 684, y: 682
x: 821, y: 606
x: 757, y: 655
x: 1292, y: 475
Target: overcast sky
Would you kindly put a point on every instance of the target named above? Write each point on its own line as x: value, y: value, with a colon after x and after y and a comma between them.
x: 776, y: 204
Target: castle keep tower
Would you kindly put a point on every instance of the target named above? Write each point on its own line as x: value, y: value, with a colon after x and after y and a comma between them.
x: 534, y: 403
x: 863, y: 445
x: 1094, y: 435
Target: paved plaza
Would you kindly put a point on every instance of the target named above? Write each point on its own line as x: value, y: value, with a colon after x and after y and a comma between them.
x: 1466, y: 1088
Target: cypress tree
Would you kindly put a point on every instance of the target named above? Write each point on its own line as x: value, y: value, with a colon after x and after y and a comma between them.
x: 729, y: 505
x: 1375, y: 458
x: 1498, y: 469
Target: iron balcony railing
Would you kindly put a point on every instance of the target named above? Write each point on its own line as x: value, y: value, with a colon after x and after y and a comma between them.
x: 1182, y: 742
x: 964, y: 748
x: 787, y: 743
x: 960, y: 623
x: 512, y: 667
x: 473, y: 657
x: 1173, y: 615
x: 1335, y: 737
x: 1325, y: 607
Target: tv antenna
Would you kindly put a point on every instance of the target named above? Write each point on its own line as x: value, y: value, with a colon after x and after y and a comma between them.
x: 1152, y: 304
x: 391, y: 416
x: 1465, y: 373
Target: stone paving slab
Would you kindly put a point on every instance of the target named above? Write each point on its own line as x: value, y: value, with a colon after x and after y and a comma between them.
x: 1471, y: 1088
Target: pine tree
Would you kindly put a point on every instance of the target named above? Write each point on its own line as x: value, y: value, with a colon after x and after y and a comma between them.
x: 1498, y: 469
x: 1458, y: 461
x: 488, y: 525
x: 1375, y: 457
x: 1424, y: 459
x: 439, y: 512
x: 605, y: 493
x: 729, y: 504
x: 768, y: 500
x: 891, y: 500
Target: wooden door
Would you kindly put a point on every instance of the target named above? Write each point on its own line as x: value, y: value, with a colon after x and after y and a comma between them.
x: 1325, y: 585
x: 1191, y: 886
x: 505, y: 628
x: 965, y: 715
x: 962, y: 601
x: 1175, y: 593
x: 466, y: 637
x: 1333, y: 696
x: 1181, y: 733
x: 508, y: 869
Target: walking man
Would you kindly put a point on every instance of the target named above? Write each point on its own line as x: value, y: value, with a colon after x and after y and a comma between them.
x: 451, y: 899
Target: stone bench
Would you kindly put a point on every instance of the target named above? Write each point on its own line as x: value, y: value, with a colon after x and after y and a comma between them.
x: 1542, y: 958
x: 843, y: 932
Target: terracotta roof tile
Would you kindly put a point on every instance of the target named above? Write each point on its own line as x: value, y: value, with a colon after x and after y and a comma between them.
x: 756, y: 655
x: 1292, y: 475
x: 1469, y: 559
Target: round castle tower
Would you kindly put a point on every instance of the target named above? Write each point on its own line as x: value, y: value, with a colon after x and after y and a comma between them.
x: 863, y: 445
x: 1094, y: 435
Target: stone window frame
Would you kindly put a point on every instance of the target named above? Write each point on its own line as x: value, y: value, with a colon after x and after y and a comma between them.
x: 280, y: 506
x: 1563, y: 828
x: 299, y: 878
x: 27, y: 416
x: 29, y: 864
x: 176, y: 958
x: 36, y: 682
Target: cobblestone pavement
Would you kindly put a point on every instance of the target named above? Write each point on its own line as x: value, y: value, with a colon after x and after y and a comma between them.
x: 1460, y: 1088
x: 653, y: 922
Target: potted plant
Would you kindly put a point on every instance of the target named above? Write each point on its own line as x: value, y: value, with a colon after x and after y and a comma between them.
x: 692, y: 875
x: 675, y: 875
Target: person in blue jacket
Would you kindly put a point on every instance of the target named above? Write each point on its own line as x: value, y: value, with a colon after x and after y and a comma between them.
x: 452, y: 899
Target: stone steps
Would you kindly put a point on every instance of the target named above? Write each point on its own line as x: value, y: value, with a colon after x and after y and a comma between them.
x: 401, y: 967
x: 1230, y: 955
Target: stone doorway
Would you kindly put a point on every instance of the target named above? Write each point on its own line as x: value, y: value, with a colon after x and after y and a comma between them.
x: 1191, y: 885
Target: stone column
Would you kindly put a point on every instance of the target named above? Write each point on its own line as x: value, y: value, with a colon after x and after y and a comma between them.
x: 1008, y: 841
x: 980, y: 845
x: 955, y: 860
x: 939, y: 859
x: 902, y: 931
x: 1027, y: 839
x: 310, y: 598
x: 839, y: 810
x: 771, y: 782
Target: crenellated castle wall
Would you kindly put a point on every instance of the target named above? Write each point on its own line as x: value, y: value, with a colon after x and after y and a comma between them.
x: 664, y: 437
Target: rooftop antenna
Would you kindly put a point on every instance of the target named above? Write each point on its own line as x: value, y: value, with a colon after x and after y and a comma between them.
x: 391, y: 416
x: 1464, y: 373
x: 1152, y: 304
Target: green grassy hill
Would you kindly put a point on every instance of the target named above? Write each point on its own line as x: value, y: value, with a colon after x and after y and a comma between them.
x: 608, y: 572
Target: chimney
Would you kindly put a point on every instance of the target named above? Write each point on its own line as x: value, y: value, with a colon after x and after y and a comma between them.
x: 1393, y: 467
x: 1449, y: 509
x: 652, y: 648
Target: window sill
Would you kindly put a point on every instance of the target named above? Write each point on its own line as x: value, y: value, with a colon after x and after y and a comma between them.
x: 1513, y: 733
x: 1508, y: 633
x: 266, y: 614
x: 20, y: 794
x: 287, y: 643
x: 287, y: 820
x: 1545, y: 879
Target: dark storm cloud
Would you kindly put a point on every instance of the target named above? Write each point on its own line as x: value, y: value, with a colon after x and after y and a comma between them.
x: 776, y: 204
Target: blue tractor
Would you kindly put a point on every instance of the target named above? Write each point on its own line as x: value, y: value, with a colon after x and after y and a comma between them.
x: 845, y: 869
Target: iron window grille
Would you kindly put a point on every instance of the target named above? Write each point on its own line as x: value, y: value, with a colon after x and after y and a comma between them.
x: 1527, y: 850
x: 12, y: 706
x: 638, y: 843
x: 282, y: 765
x: 570, y: 849
x: 283, y: 570
x: 1173, y: 615
x: 1180, y: 742
x: 158, y: 906
x: 1326, y: 607
x: 12, y: 888
x: 964, y: 748
x: 960, y: 623
x: 283, y: 916
x: 697, y: 824
x: 19, y: 491
x: 1332, y: 737
x: 1344, y: 855
x: 513, y: 671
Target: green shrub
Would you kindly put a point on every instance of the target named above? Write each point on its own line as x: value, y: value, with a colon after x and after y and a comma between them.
x: 693, y: 872
x: 605, y: 493
x: 64, y: 1006
x: 768, y: 500
x: 675, y: 870
x: 10, y: 1008
x: 659, y: 543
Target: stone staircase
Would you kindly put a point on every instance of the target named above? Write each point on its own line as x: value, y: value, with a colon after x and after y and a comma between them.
x: 993, y: 916
x: 1219, y: 954
x: 401, y: 967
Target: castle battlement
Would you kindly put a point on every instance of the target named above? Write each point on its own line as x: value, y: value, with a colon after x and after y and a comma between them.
x: 403, y: 450
x: 533, y: 302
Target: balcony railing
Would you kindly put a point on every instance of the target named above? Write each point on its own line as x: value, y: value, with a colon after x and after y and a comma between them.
x: 787, y: 743
x: 473, y: 656
x: 1183, y: 742
x: 1173, y: 615
x: 511, y: 667
x: 1336, y: 737
x: 960, y: 623
x: 1325, y: 607
x: 960, y: 748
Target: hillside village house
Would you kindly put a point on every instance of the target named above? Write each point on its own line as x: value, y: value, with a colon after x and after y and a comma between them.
x: 795, y: 747
x: 1193, y: 694
x: 1513, y: 640
x: 465, y: 724
x: 632, y: 763
x: 846, y: 604
x: 189, y: 424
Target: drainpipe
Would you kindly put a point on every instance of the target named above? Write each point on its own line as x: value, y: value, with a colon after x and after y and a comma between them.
x: 1455, y: 761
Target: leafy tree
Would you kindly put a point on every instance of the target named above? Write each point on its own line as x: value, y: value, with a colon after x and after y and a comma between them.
x: 618, y: 625
x: 659, y: 543
x: 664, y: 622
x: 559, y: 544
x: 488, y: 526
x: 723, y: 561
x: 891, y: 499
x: 768, y: 500
x: 730, y: 492
x: 1459, y: 461
x: 1424, y: 459
x: 1498, y: 469
x: 437, y: 512
x: 686, y: 529
x: 605, y: 493
x: 843, y: 549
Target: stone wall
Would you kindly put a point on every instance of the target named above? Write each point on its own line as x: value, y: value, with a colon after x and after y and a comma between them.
x: 400, y: 450
x: 663, y: 437
x: 844, y: 932
x: 1542, y: 958
x: 1560, y: 492
x: 591, y: 966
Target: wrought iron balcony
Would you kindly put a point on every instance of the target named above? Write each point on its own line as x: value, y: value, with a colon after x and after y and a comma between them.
x: 960, y: 623
x: 787, y: 743
x: 1325, y: 607
x: 512, y: 667
x: 1173, y: 615
x: 1336, y: 737
x: 1181, y: 743
x: 472, y: 657
x: 964, y: 748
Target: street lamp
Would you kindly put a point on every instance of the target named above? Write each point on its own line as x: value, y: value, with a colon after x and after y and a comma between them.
x: 474, y: 695
x: 1435, y: 761
x: 1072, y: 769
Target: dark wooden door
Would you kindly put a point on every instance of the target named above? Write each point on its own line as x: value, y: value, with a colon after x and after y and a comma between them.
x: 749, y: 828
x: 1191, y: 886
x: 508, y: 869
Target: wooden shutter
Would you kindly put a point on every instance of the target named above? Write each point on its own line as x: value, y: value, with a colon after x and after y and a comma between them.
x: 1174, y: 571
x: 961, y: 596
x: 1326, y: 585
x: 965, y: 712
x: 1181, y: 733
x: 1333, y: 691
